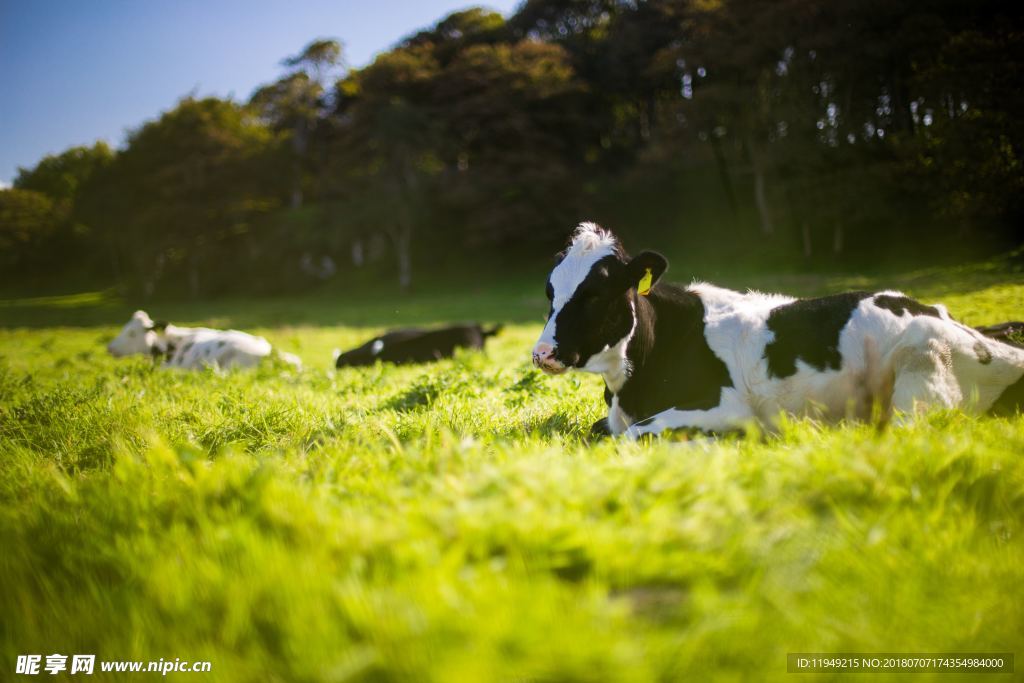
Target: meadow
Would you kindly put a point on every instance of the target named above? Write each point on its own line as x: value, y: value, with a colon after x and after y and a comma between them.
x: 455, y: 522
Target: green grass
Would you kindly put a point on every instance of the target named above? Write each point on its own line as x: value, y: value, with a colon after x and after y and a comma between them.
x: 453, y: 522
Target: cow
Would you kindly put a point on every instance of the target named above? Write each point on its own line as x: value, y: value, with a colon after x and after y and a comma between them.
x: 1010, y: 332
x: 415, y: 345
x: 192, y: 348
x: 713, y: 360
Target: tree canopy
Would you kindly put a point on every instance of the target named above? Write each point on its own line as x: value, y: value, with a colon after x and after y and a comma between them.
x: 733, y: 129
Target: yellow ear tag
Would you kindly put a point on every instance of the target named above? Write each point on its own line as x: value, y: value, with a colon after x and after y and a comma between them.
x: 644, y: 288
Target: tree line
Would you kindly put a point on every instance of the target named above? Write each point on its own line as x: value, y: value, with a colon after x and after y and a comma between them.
x: 750, y: 130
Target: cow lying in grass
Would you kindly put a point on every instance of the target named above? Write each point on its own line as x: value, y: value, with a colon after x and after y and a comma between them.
x: 711, y: 359
x: 413, y: 345
x: 1011, y: 333
x: 192, y: 348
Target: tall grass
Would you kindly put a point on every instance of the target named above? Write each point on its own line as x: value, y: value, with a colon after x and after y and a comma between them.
x: 454, y: 522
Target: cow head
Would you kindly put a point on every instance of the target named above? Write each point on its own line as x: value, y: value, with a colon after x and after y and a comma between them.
x: 139, y: 335
x: 592, y: 291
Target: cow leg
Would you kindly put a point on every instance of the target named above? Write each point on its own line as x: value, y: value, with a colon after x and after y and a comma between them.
x: 600, y: 428
x: 731, y: 414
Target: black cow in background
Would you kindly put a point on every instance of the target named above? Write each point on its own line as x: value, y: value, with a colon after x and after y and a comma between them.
x: 414, y: 345
x: 1009, y: 333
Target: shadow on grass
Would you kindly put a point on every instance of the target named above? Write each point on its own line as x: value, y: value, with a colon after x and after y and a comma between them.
x: 562, y: 424
x: 512, y: 299
x: 511, y: 303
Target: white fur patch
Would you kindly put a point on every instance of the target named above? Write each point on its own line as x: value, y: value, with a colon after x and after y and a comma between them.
x: 590, y: 244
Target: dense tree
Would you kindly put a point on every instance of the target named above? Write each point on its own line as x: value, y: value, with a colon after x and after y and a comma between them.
x: 28, y: 219
x: 434, y: 131
x: 518, y: 132
x: 298, y: 101
x: 63, y: 179
x: 184, y: 192
x: 767, y: 129
x: 390, y: 147
x: 460, y: 30
x: 61, y: 176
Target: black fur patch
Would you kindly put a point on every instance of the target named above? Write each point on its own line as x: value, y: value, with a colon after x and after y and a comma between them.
x: 808, y: 330
x: 984, y: 355
x: 673, y: 366
x: 601, y: 428
x: 899, y: 305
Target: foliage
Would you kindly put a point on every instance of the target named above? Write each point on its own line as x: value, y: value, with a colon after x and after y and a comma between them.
x: 765, y: 130
x: 182, y: 195
x: 297, y: 102
x: 41, y: 222
x: 453, y: 522
x: 517, y: 135
x: 27, y: 220
x: 61, y: 177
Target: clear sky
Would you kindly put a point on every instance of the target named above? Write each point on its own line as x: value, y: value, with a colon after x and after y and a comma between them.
x: 75, y: 71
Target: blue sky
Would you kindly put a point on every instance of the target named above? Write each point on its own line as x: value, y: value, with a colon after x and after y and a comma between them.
x: 76, y: 71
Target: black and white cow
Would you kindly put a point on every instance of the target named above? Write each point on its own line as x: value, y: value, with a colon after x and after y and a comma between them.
x: 711, y: 359
x: 192, y: 348
x: 415, y: 345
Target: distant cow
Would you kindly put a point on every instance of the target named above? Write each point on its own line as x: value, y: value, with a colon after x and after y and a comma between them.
x: 413, y: 345
x: 711, y: 359
x: 192, y: 347
x: 1010, y: 333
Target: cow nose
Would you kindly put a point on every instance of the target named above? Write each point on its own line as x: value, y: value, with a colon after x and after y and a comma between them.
x: 542, y: 352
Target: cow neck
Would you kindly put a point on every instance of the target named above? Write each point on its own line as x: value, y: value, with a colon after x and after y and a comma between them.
x: 663, y: 299
x: 168, y: 338
x: 638, y: 344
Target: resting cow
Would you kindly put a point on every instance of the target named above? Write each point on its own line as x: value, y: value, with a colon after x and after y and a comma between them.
x: 711, y: 359
x: 192, y: 347
x: 414, y: 345
x: 1012, y: 332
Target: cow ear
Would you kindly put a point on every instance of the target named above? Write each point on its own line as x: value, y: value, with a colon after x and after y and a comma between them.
x: 644, y: 270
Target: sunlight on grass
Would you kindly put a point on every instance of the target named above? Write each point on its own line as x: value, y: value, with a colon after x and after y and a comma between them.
x: 453, y: 522
x: 81, y: 299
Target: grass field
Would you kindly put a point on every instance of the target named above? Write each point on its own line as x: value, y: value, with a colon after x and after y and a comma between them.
x: 453, y: 522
